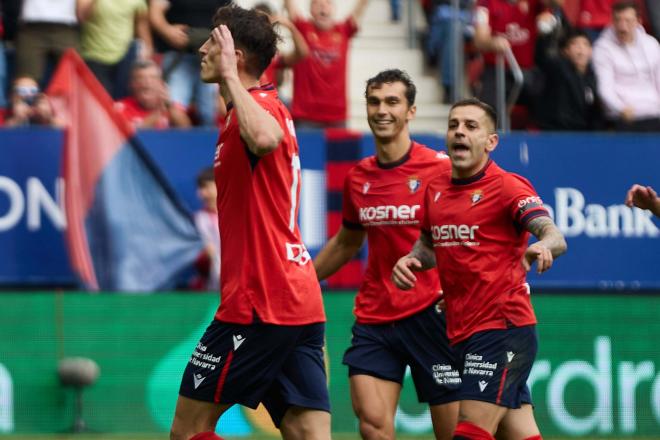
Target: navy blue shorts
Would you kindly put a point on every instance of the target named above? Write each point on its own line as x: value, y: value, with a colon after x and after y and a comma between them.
x: 279, y: 366
x: 495, y: 365
x: 419, y: 341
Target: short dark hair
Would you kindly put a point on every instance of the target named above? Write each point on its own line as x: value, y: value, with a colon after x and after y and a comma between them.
x: 571, y: 34
x: 392, y: 76
x: 488, y: 109
x: 205, y: 175
x: 263, y: 7
x: 252, y: 33
x: 622, y: 5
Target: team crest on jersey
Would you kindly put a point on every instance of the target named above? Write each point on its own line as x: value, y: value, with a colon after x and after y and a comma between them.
x: 414, y: 183
x: 476, y: 196
x: 365, y: 187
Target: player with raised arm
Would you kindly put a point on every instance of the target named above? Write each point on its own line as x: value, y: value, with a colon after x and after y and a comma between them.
x: 477, y: 223
x: 266, y: 341
x: 394, y: 329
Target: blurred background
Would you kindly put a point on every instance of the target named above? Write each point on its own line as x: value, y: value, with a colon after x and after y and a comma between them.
x: 105, y: 251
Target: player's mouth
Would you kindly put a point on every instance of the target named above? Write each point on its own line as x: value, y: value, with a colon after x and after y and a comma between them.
x: 459, y: 147
x: 383, y: 122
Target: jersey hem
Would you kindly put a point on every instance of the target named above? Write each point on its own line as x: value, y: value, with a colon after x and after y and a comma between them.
x: 462, y: 338
x: 405, y: 315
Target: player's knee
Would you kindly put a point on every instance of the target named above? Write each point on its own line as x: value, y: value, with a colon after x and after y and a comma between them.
x: 376, y: 427
x: 302, y: 424
x: 176, y: 434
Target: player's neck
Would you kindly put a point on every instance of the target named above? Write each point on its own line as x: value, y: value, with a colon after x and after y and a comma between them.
x: 247, y: 81
x: 392, y: 150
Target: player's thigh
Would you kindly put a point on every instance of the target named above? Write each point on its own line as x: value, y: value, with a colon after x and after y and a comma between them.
x: 305, y: 424
x: 374, y: 352
x: 444, y: 418
x: 433, y: 362
x: 301, y: 382
x: 374, y: 399
x: 194, y: 416
x: 485, y: 415
x: 518, y: 424
x: 495, y: 365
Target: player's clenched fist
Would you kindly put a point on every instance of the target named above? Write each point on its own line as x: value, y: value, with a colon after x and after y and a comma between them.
x: 539, y: 253
x: 402, y: 274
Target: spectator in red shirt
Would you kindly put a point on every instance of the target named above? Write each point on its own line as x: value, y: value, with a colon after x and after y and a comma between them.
x: 594, y: 16
x: 274, y: 73
x: 149, y: 105
x: 500, y: 25
x: 319, y: 81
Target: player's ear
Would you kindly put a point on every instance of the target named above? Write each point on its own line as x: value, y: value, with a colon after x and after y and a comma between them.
x: 412, y: 111
x: 240, y: 59
x: 493, y: 140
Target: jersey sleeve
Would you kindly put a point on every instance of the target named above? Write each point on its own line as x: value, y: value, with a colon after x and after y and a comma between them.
x: 350, y: 215
x: 349, y: 27
x: 521, y: 200
x: 271, y: 105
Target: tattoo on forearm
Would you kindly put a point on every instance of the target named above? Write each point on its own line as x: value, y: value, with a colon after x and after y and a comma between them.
x: 423, y: 251
x: 548, y: 234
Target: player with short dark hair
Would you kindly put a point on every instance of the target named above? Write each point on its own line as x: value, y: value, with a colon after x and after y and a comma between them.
x: 475, y: 231
x: 265, y: 344
x: 393, y: 329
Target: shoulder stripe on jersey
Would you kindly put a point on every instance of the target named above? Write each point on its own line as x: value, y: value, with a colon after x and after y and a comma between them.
x: 351, y: 225
x: 530, y: 215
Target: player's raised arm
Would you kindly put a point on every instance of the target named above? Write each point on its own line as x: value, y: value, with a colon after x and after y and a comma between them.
x: 420, y: 258
x: 338, y: 251
x: 259, y: 129
x: 293, y: 9
x: 359, y: 10
x: 551, y: 244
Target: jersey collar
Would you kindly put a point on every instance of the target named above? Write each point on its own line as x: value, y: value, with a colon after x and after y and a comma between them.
x: 390, y: 165
x: 472, y: 179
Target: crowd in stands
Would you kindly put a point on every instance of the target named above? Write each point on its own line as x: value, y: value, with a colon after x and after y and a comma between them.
x: 587, y: 64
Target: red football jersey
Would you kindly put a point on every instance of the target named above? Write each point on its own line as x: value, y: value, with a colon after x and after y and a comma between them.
x: 135, y: 113
x: 478, y: 228
x: 269, y: 76
x: 595, y: 14
x: 265, y: 267
x: 386, y: 200
x: 319, y: 80
x: 516, y: 21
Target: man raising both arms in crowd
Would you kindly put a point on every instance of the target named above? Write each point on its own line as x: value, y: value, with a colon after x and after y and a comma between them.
x: 319, y: 80
x: 475, y: 231
x: 394, y: 329
x: 265, y: 344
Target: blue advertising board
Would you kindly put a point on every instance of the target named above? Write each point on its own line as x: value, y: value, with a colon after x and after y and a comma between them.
x: 582, y: 178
